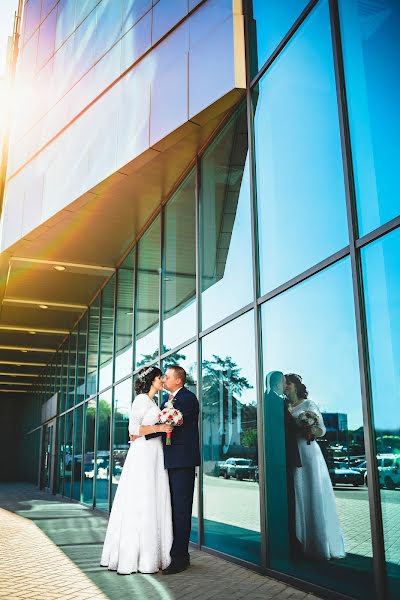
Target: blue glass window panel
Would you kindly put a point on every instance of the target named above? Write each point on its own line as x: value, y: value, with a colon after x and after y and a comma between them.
x: 47, y: 6
x: 203, y: 22
x: 380, y: 266
x: 83, y: 8
x: 108, y: 27
x: 169, y: 106
x: 166, y: 14
x: 148, y: 294
x: 211, y: 54
x: 77, y: 466
x: 65, y: 20
x: 273, y: 19
x: 136, y: 42
x: 107, y: 334
x: 32, y: 18
x: 88, y: 453
x: 225, y: 233
x: 229, y: 413
x: 103, y: 450
x: 84, y: 46
x: 47, y: 34
x: 310, y: 330
x: 179, y: 278
x: 371, y: 51
x: 300, y: 187
x: 122, y: 410
x: 132, y: 11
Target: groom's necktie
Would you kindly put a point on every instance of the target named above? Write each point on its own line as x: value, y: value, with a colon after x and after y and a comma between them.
x: 170, y: 397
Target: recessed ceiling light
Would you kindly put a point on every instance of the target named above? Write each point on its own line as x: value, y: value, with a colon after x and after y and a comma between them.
x: 43, y: 306
x: 24, y: 350
x: 59, y: 268
x: 32, y: 332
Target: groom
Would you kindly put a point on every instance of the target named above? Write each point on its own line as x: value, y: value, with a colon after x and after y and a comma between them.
x: 181, y: 458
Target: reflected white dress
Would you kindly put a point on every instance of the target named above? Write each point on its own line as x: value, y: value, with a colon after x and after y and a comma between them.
x: 139, y: 532
x: 317, y: 522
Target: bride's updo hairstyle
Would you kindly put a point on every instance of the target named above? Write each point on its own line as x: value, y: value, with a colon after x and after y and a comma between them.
x: 301, y: 389
x: 145, y: 378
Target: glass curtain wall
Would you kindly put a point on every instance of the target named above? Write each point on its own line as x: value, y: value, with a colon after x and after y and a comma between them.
x: 124, y: 318
x: 148, y: 295
x: 179, y: 276
x: 103, y: 449
x: 382, y: 293
x: 107, y: 335
x: 273, y: 280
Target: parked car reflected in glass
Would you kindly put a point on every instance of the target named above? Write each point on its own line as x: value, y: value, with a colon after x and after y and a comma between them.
x: 238, y: 468
x: 343, y: 473
x: 388, y: 471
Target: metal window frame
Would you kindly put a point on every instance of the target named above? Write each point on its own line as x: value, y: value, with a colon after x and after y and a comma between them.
x: 199, y: 390
x: 112, y: 417
x: 256, y: 310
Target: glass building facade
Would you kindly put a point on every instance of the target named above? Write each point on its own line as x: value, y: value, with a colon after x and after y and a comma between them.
x: 278, y: 250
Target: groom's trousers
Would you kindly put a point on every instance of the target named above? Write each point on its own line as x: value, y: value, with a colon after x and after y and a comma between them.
x: 181, y: 483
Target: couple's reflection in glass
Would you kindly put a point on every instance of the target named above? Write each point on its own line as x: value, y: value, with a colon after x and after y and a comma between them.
x: 295, y: 423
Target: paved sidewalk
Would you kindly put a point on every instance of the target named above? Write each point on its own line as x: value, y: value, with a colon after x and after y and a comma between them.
x: 50, y: 549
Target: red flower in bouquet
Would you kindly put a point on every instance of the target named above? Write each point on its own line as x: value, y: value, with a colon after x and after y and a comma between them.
x: 172, y: 416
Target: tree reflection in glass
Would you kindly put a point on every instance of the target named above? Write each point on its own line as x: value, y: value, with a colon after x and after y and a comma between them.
x: 230, y: 458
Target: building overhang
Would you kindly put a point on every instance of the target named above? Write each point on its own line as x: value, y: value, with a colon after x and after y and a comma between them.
x: 50, y: 276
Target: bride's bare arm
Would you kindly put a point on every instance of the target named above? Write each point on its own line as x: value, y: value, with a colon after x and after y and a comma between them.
x: 147, y: 429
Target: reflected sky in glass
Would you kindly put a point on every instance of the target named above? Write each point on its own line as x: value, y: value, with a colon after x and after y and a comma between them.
x: 382, y: 304
x: 225, y: 225
x: 273, y: 19
x: 380, y: 262
x: 179, y: 278
x: 107, y: 334
x: 371, y: 48
x: 299, y: 176
x: 148, y: 294
x: 124, y: 319
x: 310, y: 330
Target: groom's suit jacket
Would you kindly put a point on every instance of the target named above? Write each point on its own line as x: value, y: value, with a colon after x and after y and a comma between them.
x: 184, y: 450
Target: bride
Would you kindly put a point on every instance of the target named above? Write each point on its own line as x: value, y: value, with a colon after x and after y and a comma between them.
x: 139, y: 532
x: 317, y: 522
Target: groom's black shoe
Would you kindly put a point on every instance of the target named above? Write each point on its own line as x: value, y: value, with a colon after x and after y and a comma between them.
x: 176, y: 567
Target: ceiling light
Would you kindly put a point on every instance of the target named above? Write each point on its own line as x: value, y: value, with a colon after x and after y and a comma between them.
x: 32, y: 332
x: 59, y: 268
x: 24, y: 350
x: 43, y: 306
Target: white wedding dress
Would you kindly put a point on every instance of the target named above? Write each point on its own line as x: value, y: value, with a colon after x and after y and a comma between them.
x: 317, y: 522
x: 139, y: 532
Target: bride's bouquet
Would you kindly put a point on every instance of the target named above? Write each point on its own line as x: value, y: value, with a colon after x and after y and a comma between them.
x: 308, y: 422
x: 171, y: 416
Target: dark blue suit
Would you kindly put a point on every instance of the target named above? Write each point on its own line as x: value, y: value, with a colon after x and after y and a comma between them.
x: 181, y: 458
